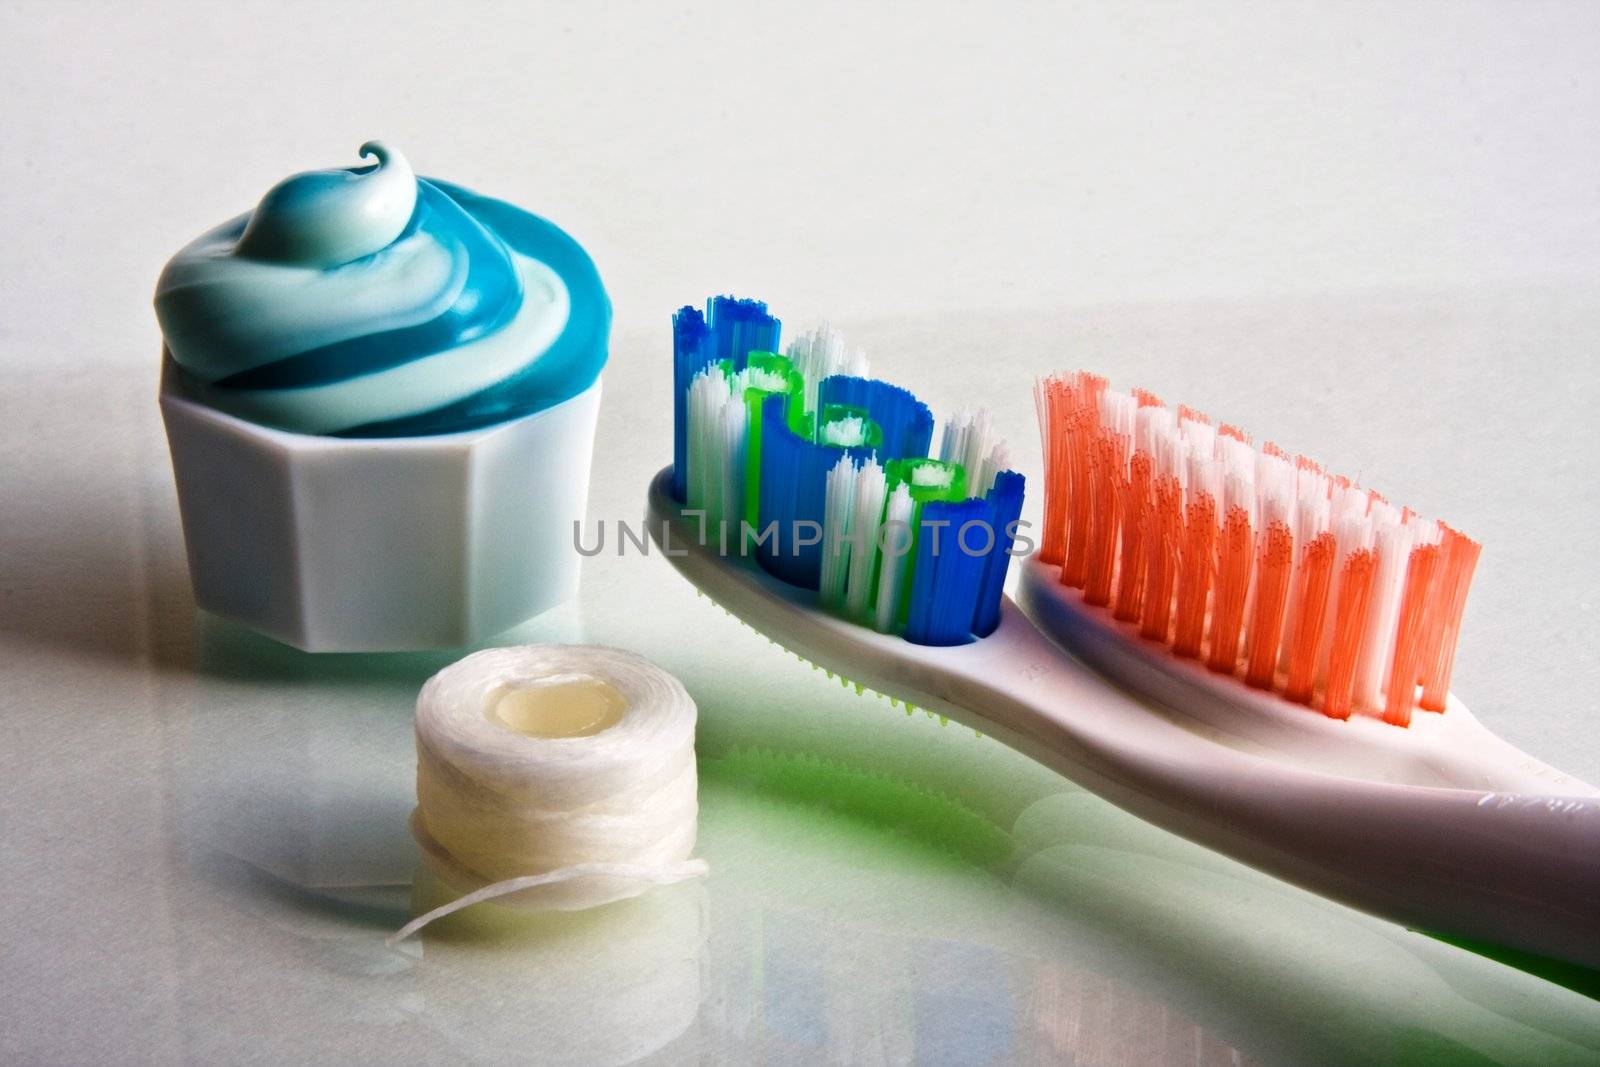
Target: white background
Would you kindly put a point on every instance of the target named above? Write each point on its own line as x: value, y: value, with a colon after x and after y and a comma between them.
x: 1370, y: 232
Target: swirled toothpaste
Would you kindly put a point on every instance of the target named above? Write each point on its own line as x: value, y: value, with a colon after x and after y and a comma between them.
x: 368, y: 302
x: 380, y: 393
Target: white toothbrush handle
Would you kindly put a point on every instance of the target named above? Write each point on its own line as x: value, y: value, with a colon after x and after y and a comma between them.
x: 1515, y: 869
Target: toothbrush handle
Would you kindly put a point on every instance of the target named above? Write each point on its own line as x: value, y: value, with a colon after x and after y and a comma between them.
x: 1516, y: 869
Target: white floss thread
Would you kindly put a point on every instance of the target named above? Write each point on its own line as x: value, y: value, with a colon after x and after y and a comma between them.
x: 555, y: 777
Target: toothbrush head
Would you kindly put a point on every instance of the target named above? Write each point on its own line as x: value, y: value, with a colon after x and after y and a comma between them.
x: 824, y: 476
x: 1264, y: 567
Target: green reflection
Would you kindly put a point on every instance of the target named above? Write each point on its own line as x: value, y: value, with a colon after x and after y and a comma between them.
x: 864, y: 801
x: 1573, y: 976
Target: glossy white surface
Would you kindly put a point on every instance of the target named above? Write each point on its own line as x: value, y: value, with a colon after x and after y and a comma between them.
x: 1369, y: 234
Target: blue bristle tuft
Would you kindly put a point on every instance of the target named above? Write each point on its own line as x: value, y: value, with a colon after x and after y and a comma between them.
x: 690, y: 354
x: 740, y: 327
x: 1005, y: 500
x: 946, y: 579
x: 794, y: 490
x: 729, y: 330
x: 907, y: 423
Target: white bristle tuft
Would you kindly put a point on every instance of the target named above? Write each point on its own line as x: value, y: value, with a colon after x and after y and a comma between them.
x: 1349, y: 499
x: 970, y: 441
x: 758, y: 378
x: 718, y: 424
x: 1236, y: 453
x: 844, y: 433
x: 1238, y: 463
x: 1149, y: 425
x: 997, y: 460
x: 1168, y: 455
x: 865, y: 526
x: 896, y: 556
x: 821, y: 354
x: 1202, y: 475
x: 1200, y: 436
x: 1119, y: 412
x: 838, y: 513
x: 1392, y: 539
x: 1274, y: 490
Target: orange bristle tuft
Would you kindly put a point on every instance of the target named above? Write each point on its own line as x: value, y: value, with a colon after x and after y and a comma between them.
x: 1080, y: 435
x: 1234, y: 551
x: 1305, y: 633
x: 1194, y: 575
x: 1063, y: 404
x: 1073, y: 563
x: 1450, y: 601
x: 1257, y: 560
x: 1163, y: 539
x: 1051, y: 397
x: 1136, y: 506
x: 1274, y: 565
x: 1105, y: 476
x: 1409, y: 635
x: 1349, y: 621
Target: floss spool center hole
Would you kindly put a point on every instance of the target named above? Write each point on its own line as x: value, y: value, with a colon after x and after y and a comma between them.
x: 570, y: 706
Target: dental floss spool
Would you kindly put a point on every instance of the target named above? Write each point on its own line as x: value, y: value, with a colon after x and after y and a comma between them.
x: 554, y: 777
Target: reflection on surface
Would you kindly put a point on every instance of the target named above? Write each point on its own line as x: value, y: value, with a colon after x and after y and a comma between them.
x: 1290, y: 976
x: 608, y: 986
x: 853, y: 914
x: 1091, y: 1019
x: 205, y: 845
x: 855, y: 942
x: 1113, y: 943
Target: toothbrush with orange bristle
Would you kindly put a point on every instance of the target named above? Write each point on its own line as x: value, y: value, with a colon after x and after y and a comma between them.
x: 1228, y: 642
x: 1316, y: 588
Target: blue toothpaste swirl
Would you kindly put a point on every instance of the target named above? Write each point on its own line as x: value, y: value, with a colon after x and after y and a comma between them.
x: 369, y: 302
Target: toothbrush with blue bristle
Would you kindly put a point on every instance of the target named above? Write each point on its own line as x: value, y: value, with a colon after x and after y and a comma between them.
x: 824, y: 475
x: 1175, y: 662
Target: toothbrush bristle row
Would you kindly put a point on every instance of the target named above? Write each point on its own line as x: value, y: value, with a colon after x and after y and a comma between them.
x: 825, y: 476
x: 1261, y: 565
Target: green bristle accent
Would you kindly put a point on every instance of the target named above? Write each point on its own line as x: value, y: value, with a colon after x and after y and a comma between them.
x: 928, y: 480
x: 794, y: 387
